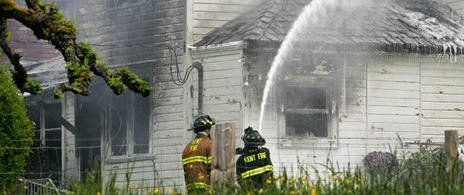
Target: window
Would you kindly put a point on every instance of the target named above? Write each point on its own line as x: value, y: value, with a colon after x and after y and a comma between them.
x: 306, y: 111
x: 48, y: 127
x: 47, y: 139
x: 310, y: 106
x: 129, y: 127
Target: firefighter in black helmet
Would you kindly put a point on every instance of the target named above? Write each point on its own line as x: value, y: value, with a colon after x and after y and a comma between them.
x: 254, y: 164
x: 196, y: 157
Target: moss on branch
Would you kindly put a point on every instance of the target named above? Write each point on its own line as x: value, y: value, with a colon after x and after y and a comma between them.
x: 47, y: 23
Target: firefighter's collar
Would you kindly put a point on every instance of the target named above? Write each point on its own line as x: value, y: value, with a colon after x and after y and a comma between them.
x: 202, y: 133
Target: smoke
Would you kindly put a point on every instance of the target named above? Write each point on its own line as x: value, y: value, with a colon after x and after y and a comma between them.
x: 316, y: 19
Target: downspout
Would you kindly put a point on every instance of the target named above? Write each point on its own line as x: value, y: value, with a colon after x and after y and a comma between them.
x: 181, y: 81
x: 199, y: 67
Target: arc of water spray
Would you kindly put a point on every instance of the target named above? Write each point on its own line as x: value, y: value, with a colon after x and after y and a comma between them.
x: 310, y: 15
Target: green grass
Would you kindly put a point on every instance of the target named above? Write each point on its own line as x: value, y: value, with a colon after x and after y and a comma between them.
x: 421, y: 173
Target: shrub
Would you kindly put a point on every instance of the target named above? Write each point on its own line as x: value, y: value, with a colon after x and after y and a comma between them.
x: 423, y: 166
x: 15, y: 132
x: 380, y: 163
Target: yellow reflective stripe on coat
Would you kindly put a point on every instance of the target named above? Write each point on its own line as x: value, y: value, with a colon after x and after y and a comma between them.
x: 193, y: 159
x: 209, y: 160
x: 197, y: 185
x: 257, y: 171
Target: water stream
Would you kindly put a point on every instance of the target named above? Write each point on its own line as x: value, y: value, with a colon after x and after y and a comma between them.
x: 310, y: 15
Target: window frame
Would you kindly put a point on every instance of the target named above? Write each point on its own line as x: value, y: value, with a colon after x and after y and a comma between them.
x: 331, y: 83
x: 130, y: 119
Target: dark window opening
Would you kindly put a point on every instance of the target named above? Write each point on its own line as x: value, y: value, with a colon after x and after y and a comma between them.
x: 89, y: 121
x: 141, y: 124
x: 51, y: 121
x: 45, y: 157
x: 306, y: 97
x: 307, y: 109
x: 118, y: 127
x: 307, y: 125
x: 130, y: 123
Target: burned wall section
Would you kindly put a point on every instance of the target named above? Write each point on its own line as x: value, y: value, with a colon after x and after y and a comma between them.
x: 45, y: 159
x: 257, y: 60
x: 307, y: 91
x: 147, y: 36
x: 89, y: 122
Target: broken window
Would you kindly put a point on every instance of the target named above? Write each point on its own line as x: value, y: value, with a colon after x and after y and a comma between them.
x: 46, y: 148
x: 306, y: 111
x: 141, y: 124
x: 129, y: 127
x: 310, y: 106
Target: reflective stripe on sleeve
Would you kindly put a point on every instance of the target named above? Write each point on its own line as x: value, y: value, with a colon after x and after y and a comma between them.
x: 197, y: 185
x: 257, y: 171
x: 193, y: 159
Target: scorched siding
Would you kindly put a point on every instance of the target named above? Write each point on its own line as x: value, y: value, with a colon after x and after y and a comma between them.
x: 211, y: 14
x: 384, y: 98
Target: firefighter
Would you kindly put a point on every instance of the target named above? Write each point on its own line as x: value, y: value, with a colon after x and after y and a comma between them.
x: 196, y: 157
x: 254, y: 163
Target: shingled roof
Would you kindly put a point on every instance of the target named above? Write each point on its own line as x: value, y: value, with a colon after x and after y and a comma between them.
x: 50, y: 73
x: 418, y: 24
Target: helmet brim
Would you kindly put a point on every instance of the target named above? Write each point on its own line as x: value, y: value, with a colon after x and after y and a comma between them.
x: 193, y: 128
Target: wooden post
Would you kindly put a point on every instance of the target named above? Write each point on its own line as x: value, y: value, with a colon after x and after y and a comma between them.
x: 223, y: 154
x: 451, y: 151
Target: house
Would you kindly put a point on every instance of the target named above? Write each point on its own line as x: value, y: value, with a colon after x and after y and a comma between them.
x: 357, y: 77
x: 127, y: 133
x: 354, y: 82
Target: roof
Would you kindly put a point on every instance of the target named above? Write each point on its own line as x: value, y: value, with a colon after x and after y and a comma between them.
x: 49, y: 73
x: 413, y: 23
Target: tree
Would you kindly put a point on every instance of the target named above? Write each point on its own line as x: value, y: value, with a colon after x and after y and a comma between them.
x: 47, y: 23
x: 15, y: 132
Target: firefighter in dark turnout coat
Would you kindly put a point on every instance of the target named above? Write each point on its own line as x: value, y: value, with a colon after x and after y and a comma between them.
x: 196, y: 157
x: 254, y: 164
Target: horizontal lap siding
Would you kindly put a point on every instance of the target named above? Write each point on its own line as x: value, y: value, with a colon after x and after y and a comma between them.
x: 167, y: 130
x: 141, y: 173
x: 352, y: 118
x: 382, y: 107
x: 211, y: 14
x: 394, y: 102
x: 388, y: 100
x: 222, y: 85
x: 442, y: 99
x: 352, y: 129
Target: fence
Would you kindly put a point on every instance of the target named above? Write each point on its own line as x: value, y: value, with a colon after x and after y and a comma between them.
x: 37, y: 186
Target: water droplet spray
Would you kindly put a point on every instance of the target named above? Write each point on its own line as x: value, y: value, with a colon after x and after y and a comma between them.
x: 310, y: 15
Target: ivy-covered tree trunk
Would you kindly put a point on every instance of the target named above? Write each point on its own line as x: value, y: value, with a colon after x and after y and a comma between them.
x: 47, y: 23
x: 15, y: 132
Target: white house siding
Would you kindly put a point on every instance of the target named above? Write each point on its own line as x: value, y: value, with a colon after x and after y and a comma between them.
x: 388, y: 100
x: 211, y: 14
x: 442, y: 97
x: 168, y: 130
x: 393, y: 102
x: 141, y: 173
x: 222, y: 83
